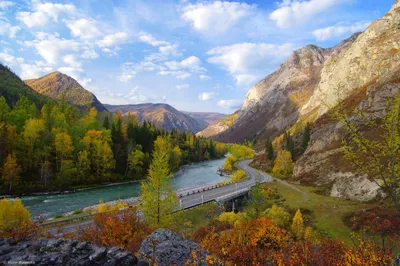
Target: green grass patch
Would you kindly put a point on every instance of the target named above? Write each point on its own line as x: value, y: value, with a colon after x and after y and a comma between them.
x: 326, y: 213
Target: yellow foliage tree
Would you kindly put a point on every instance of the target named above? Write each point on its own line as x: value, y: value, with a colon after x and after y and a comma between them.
x: 63, y: 146
x: 283, y: 166
x: 238, y: 175
x: 13, y: 214
x: 11, y: 171
x: 232, y: 218
x: 298, y: 224
x: 278, y: 215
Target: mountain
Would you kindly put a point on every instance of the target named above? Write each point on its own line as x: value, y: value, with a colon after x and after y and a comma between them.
x: 273, y: 104
x: 162, y: 115
x: 57, y: 85
x: 219, y: 126
x: 12, y: 88
x: 206, y: 117
x: 363, y: 70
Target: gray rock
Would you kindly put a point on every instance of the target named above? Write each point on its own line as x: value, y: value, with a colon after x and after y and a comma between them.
x: 62, y: 252
x: 165, y: 247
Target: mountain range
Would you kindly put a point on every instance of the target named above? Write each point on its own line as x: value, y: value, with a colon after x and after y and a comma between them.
x: 166, y: 116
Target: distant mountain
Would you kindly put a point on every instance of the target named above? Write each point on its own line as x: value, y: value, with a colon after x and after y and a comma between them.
x: 206, y: 117
x: 219, y: 126
x: 57, y: 85
x: 160, y: 114
x: 12, y: 88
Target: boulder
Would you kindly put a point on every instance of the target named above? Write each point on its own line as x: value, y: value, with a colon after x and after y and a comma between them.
x: 165, y: 247
x: 61, y: 251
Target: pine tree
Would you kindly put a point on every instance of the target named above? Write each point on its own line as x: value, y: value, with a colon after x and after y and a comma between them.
x: 158, y: 197
x: 269, y: 149
x: 306, y: 138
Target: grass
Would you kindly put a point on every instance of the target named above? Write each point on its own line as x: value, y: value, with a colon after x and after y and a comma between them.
x: 326, y: 213
x: 188, y: 221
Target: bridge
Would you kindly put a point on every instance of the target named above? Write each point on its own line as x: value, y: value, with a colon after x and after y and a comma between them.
x: 192, y: 198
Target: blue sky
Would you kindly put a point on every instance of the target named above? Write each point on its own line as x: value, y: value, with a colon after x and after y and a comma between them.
x: 194, y: 55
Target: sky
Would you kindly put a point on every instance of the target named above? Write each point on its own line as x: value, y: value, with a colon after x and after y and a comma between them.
x: 193, y: 55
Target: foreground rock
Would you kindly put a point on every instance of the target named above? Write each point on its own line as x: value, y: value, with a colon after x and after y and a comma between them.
x: 165, y: 247
x: 61, y: 252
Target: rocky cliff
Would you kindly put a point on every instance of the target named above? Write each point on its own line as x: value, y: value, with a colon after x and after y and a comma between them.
x: 365, y: 75
x: 274, y: 103
x: 219, y: 126
x: 362, y: 70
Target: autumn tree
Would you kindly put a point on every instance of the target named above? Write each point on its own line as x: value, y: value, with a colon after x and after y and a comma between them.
x: 175, y: 158
x: 278, y: 215
x: 11, y: 171
x: 376, y: 157
x: 298, y: 224
x: 13, y: 214
x: 83, y: 167
x: 158, y: 197
x: 136, y: 160
x: 63, y: 146
x: 32, y: 129
x: 283, y: 166
x: 269, y: 150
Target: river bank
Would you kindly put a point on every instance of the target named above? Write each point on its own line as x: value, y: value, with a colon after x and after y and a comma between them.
x: 51, y: 205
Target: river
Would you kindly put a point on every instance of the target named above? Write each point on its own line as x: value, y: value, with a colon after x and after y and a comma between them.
x: 189, y: 176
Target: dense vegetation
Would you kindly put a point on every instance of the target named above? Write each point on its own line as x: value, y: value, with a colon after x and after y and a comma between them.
x: 57, y: 147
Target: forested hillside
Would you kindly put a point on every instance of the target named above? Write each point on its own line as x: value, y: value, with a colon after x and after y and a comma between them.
x: 55, y: 146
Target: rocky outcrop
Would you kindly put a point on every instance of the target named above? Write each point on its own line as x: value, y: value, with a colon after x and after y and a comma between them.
x: 273, y: 104
x: 165, y: 247
x: 365, y: 75
x: 61, y: 252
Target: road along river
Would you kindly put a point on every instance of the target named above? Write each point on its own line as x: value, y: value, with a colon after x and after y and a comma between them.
x: 190, y: 176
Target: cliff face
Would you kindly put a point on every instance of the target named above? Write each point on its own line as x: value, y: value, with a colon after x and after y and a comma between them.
x: 363, y: 70
x: 365, y: 74
x: 273, y: 104
x: 57, y: 85
x: 219, y: 126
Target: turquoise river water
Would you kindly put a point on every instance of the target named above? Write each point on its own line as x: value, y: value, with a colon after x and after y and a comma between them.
x: 190, y: 176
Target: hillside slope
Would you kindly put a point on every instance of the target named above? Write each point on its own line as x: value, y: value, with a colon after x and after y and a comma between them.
x: 273, y: 104
x: 57, y: 85
x: 162, y: 115
x: 12, y: 88
x: 365, y: 75
x: 219, y: 126
x: 206, y: 117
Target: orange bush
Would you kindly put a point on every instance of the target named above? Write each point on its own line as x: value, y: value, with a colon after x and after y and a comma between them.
x: 125, y: 230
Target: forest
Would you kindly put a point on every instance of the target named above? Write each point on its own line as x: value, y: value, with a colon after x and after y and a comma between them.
x: 55, y: 147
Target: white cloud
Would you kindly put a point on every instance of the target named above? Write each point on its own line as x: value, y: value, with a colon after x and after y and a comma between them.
x: 206, y: 96
x: 76, y: 73
x: 52, y: 48
x: 192, y: 63
x: 149, y: 39
x: 182, y: 86
x: 340, y: 30
x: 216, y: 17
x: 7, y: 29
x: 44, y: 13
x: 90, y: 54
x: 230, y: 104
x: 204, y: 77
x: 244, y: 79
x: 135, y: 96
x: 84, y: 28
x: 10, y: 60
x: 71, y: 61
x: 248, y: 61
x: 113, y: 39
x: 26, y: 71
x: 5, y: 4
x: 291, y: 13
x: 183, y: 75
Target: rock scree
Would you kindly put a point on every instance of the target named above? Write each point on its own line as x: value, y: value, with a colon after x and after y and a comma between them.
x: 164, y: 247
x: 61, y: 251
